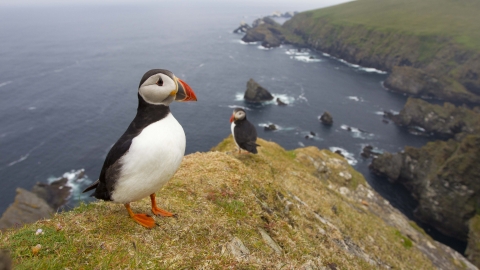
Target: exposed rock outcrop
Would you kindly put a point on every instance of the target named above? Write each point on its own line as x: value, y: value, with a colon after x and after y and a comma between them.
x: 270, y: 127
x: 369, y: 151
x: 280, y: 102
x: 243, y: 28
x: 41, y: 202
x: 326, y: 119
x: 267, y: 31
x: 255, y: 93
x: 27, y: 208
x: 447, y: 121
x: 442, y: 177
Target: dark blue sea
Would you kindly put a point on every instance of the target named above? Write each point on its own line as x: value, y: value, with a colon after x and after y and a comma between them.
x: 69, y: 78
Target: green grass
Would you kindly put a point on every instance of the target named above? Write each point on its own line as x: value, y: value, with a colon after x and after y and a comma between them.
x: 455, y: 19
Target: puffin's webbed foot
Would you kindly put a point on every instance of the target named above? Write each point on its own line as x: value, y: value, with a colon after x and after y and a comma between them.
x: 142, y: 219
x: 157, y: 210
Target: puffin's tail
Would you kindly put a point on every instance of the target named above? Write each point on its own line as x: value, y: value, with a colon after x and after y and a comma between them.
x: 251, y: 147
x: 92, y: 186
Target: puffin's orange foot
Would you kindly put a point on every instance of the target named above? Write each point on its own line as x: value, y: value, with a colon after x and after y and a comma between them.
x: 157, y: 211
x: 160, y: 212
x: 144, y: 220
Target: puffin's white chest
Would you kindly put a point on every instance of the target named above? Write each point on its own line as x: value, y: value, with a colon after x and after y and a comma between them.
x: 232, y: 126
x: 153, y: 158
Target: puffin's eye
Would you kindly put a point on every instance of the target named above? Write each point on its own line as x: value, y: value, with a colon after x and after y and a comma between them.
x: 160, y: 82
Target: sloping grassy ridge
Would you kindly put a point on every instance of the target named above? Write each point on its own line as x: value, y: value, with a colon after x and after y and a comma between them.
x: 277, y: 209
x: 437, y: 41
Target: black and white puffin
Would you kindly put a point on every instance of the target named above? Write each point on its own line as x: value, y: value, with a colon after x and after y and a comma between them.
x: 150, y: 151
x: 244, y: 133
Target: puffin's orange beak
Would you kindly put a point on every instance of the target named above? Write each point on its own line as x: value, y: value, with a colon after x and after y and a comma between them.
x: 232, y: 118
x: 185, y: 92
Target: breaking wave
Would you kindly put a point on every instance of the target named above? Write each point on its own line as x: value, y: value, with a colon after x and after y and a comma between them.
x: 350, y: 157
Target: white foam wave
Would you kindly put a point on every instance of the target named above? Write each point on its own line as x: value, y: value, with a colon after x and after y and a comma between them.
x: 357, y: 133
x: 236, y: 106
x: 380, y: 113
x: 246, y: 43
x: 366, y: 69
x: 348, y: 156
x: 279, y: 128
x: 295, y: 52
x: 308, y: 135
x: 306, y: 59
x: 76, y: 180
x: 5, y: 83
x: 22, y: 158
x: 264, y: 48
x: 283, y: 97
x: 354, y: 98
x: 349, y: 64
x: 374, y: 70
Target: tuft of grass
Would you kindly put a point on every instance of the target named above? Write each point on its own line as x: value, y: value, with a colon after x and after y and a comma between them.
x: 407, y: 243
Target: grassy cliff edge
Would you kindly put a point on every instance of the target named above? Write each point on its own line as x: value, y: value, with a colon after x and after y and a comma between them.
x: 300, y: 209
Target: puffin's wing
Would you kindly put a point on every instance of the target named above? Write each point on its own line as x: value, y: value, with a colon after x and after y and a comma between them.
x: 111, y: 166
x: 246, y: 136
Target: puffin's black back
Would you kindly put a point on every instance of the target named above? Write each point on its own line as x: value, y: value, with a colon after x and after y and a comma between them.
x: 246, y: 135
x: 146, y: 115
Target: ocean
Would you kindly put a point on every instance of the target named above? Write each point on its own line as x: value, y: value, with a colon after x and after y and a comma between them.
x: 69, y: 78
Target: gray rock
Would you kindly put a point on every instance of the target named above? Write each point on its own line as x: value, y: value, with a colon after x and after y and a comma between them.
x: 27, y: 208
x: 270, y: 127
x: 326, y: 119
x: 442, y: 177
x: 55, y: 194
x: 445, y: 121
x: 256, y: 93
x: 270, y: 242
x: 243, y: 28
x: 238, y: 249
x: 280, y: 102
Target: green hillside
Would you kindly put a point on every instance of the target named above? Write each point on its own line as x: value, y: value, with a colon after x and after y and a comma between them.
x: 430, y: 47
x: 459, y: 20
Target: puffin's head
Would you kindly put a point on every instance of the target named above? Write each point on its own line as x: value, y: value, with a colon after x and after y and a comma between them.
x: 160, y: 86
x: 238, y: 114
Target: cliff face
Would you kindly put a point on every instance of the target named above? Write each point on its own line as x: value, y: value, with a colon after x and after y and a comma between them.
x: 447, y: 121
x: 442, y: 176
x: 301, y: 209
x: 429, y: 57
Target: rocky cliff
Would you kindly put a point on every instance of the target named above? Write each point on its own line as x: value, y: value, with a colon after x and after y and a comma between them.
x: 442, y: 176
x: 300, y: 209
x: 447, y: 121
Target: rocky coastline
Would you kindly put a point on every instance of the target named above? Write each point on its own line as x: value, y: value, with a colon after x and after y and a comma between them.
x: 442, y: 175
x: 449, y: 73
x: 41, y: 202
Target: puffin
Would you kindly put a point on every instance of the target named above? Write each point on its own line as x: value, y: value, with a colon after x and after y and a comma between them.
x: 150, y: 151
x: 244, y: 133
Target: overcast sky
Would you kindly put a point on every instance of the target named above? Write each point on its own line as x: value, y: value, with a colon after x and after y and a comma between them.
x: 302, y: 4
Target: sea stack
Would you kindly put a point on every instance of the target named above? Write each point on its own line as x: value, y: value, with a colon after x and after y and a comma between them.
x: 326, y: 119
x: 255, y: 93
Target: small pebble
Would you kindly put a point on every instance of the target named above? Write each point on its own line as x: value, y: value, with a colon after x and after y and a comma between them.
x: 36, y: 249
